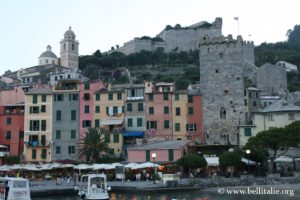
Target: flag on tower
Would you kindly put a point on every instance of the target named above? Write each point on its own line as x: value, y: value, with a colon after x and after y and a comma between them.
x: 236, y: 18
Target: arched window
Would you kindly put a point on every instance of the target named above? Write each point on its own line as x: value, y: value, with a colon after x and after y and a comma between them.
x: 223, y: 113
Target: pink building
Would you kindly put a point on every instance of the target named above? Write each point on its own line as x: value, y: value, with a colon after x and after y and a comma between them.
x: 158, y: 103
x: 167, y: 151
x: 12, y: 96
x: 87, y: 90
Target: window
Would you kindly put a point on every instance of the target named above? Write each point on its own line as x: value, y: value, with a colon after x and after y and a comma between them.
x: 256, y: 95
x: 111, y: 151
x: 73, y: 134
x: 171, y: 154
x: 33, y: 154
x: 43, y: 108
x: 58, y: 115
x: 86, y: 123
x: 110, y: 96
x: 97, y: 109
x: 59, y: 97
x: 129, y: 122
x: 86, y: 85
x: 73, y: 47
x: 129, y: 107
x: 191, y: 127
x: 140, y: 107
x: 245, y: 102
x: 166, y: 110
x: 43, y: 125
x: 86, y: 109
x: 166, y: 124
x: 73, y: 114
x: 151, y: 97
x: 34, y: 109
x: 177, y: 127
x: 64, y: 46
x: 291, y: 116
x: 190, y: 99
x: 139, y: 122
x: 44, y: 98
x: 177, y: 111
x: 57, y: 149
x: 115, y: 109
x: 245, y: 93
x: 86, y: 96
x: 43, y: 140
x: 21, y: 134
x: 97, y: 123
x: 44, y: 153
x: 254, y: 103
x: 97, y: 97
x: 270, y: 117
x: 8, y: 135
x: 116, y: 137
x: 71, y: 149
x: 151, y: 110
x: 8, y: 120
x: 119, y: 96
x: 148, y: 155
x: 34, y: 99
x: 58, y: 135
x: 166, y: 96
x: 34, y: 125
x: 73, y: 97
x: 176, y: 97
x: 107, y: 138
x: 250, y: 94
x: 222, y: 113
x: 247, y: 132
x: 151, y: 124
x: 191, y: 110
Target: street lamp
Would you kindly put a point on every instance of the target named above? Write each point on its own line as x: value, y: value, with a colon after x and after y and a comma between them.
x: 153, y: 157
x: 248, y: 153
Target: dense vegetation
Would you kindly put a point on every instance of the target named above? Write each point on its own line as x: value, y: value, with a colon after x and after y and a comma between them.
x: 179, y: 66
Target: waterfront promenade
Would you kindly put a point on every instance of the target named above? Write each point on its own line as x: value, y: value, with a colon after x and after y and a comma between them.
x: 44, y: 188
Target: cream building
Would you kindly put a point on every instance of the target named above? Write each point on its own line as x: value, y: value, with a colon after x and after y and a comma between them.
x: 38, y: 125
x: 279, y: 114
x: 180, y: 113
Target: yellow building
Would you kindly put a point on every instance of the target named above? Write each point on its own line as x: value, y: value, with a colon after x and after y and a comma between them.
x: 109, y: 116
x: 180, y: 113
x: 38, y: 125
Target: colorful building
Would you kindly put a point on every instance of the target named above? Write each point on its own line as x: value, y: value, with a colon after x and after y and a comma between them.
x: 38, y: 125
x: 65, y: 121
x: 159, y: 110
x: 12, y: 128
x: 179, y: 112
x: 167, y: 151
x: 14, y: 95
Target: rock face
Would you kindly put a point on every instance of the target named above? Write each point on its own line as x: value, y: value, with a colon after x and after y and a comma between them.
x: 225, y: 63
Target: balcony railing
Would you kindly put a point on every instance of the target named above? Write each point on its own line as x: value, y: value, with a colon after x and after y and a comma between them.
x: 36, y: 143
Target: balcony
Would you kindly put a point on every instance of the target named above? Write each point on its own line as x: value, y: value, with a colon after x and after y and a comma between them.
x: 112, y: 130
x: 37, y: 143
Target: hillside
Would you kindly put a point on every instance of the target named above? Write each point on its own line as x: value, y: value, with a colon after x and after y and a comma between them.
x: 182, y: 67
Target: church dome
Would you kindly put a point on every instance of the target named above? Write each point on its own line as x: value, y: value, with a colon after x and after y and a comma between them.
x: 69, y: 34
x: 48, y: 53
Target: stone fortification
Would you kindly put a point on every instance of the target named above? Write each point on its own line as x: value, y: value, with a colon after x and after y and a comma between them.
x: 180, y: 39
x: 225, y: 63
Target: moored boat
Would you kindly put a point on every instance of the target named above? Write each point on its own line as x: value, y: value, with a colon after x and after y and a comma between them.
x: 14, y: 189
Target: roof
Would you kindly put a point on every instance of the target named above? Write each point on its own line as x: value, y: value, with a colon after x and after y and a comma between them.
x: 40, y: 91
x: 280, y: 106
x: 172, y: 144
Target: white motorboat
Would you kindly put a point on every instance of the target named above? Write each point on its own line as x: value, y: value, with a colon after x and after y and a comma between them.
x: 93, y: 187
x: 14, y: 189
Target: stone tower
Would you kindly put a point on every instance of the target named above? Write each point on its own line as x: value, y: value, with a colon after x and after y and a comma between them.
x: 225, y: 64
x: 69, y: 50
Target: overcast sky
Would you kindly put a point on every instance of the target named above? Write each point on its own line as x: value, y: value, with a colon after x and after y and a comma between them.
x: 27, y: 27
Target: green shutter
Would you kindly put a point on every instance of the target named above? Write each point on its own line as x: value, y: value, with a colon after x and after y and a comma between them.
x: 177, y: 127
x: 148, y: 124
x: 33, y: 154
x: 44, y: 98
x: 73, y: 114
x: 97, y: 97
x: 107, y: 110
x: 187, y: 127
x: 107, y: 138
x: 44, y: 153
x: 34, y: 98
x: 115, y: 109
x: 73, y: 134
x: 97, y: 123
x: 147, y: 155
x: 171, y: 154
x: 247, y: 132
x: 116, y: 137
x: 129, y: 107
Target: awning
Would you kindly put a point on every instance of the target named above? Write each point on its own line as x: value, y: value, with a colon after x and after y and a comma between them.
x: 133, y: 134
x: 246, y: 161
x: 212, y: 161
x: 111, y: 122
x: 283, y: 159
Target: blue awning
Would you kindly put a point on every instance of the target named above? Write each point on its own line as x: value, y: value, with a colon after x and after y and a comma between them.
x: 133, y: 134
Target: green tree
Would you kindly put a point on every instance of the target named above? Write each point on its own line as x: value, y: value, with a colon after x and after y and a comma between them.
x: 97, y: 53
x: 230, y: 159
x: 191, y: 161
x: 294, y: 37
x: 92, y: 145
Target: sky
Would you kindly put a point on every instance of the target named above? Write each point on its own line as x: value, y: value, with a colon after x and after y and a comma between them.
x: 27, y: 27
